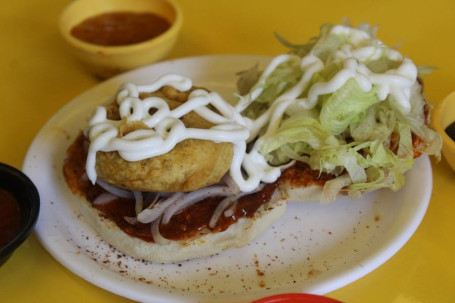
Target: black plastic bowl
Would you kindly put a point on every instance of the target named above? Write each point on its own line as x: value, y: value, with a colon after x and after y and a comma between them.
x: 26, y: 194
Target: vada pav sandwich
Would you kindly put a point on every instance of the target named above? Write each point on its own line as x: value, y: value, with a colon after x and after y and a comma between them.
x: 169, y: 171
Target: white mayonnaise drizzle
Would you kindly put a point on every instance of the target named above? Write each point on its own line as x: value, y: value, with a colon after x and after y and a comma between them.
x: 394, y: 83
x: 248, y: 169
x: 165, y: 130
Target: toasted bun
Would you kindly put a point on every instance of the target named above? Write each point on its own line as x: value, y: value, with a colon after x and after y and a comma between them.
x: 204, y: 244
x: 310, y: 193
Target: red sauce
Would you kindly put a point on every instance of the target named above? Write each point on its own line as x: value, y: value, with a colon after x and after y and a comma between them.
x: 301, y: 174
x: 197, y: 217
x: 10, y: 217
x: 188, y: 222
x: 182, y: 225
x: 120, y: 28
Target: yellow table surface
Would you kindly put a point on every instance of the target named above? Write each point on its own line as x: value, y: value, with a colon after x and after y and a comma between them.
x: 38, y: 75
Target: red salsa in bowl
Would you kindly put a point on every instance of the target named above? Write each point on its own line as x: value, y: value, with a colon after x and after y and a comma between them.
x: 19, y: 204
x: 120, y: 28
x: 113, y: 36
x: 10, y: 217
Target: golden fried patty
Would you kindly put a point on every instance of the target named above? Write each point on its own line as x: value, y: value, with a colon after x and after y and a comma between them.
x: 191, y: 165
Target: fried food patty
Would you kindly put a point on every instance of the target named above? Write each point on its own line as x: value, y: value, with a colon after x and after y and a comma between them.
x: 191, y: 165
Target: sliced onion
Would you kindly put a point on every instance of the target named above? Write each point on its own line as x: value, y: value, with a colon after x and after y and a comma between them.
x: 194, y: 197
x: 115, y: 190
x: 104, y: 198
x: 139, y: 201
x: 333, y: 187
x: 130, y: 220
x: 150, y: 198
x: 235, y: 189
x: 151, y: 214
x: 220, y: 209
x: 157, y: 237
x: 225, y: 204
x: 231, y: 210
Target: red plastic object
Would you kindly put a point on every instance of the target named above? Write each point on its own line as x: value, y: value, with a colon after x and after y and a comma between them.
x: 296, y: 298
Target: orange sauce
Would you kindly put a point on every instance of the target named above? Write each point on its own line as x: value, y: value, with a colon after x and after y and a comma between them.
x: 120, y: 28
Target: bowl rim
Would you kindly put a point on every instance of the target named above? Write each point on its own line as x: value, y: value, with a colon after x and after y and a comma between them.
x: 28, y: 225
x: 437, y: 113
x: 170, y: 33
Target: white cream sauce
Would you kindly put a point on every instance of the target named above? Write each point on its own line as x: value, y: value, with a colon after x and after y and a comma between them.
x: 395, y: 84
x: 165, y: 130
x: 248, y: 169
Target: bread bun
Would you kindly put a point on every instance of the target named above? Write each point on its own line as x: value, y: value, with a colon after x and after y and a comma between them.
x: 206, y: 243
x: 310, y: 193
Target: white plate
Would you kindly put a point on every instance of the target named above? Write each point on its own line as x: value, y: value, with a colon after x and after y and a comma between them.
x: 314, y: 248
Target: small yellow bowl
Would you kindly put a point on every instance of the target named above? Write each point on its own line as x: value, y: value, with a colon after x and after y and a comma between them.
x: 443, y: 116
x: 107, y: 61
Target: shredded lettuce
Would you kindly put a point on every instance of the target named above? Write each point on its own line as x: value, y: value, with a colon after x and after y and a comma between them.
x: 299, y: 128
x: 281, y: 79
x: 365, y: 140
x: 346, y: 106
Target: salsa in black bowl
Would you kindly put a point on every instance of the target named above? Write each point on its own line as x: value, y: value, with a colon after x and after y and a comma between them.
x: 19, y: 209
